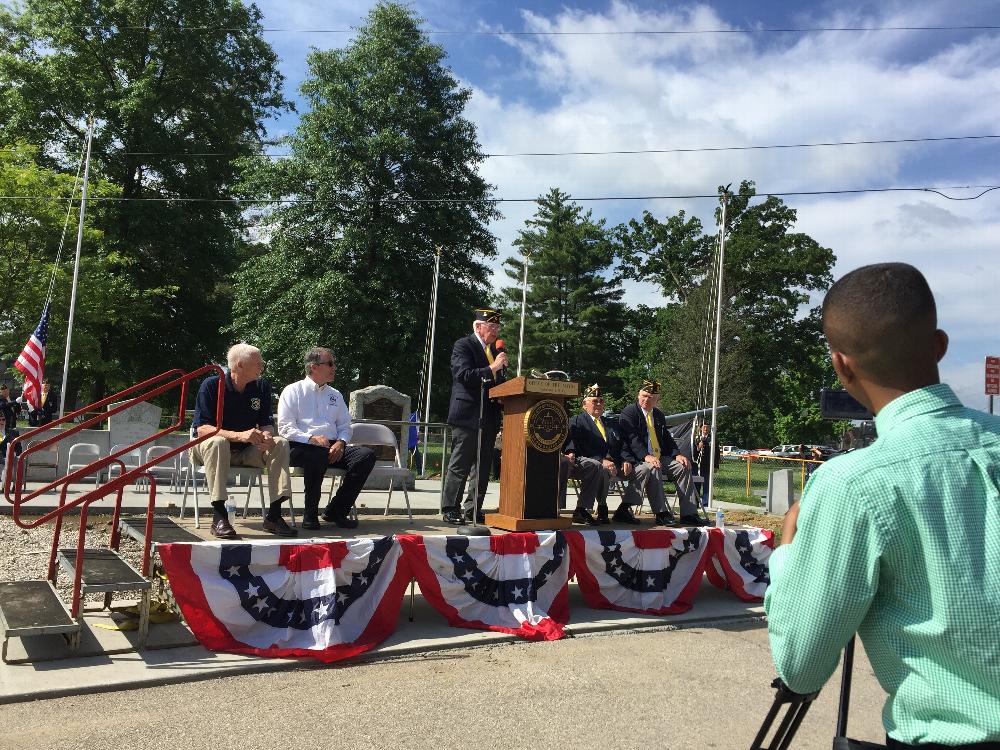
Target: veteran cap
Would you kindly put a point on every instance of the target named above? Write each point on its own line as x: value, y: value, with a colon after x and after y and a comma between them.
x: 650, y: 386
x: 487, y: 315
x: 593, y: 391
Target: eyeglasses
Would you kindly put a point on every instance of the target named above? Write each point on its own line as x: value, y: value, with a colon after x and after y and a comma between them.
x: 328, y: 364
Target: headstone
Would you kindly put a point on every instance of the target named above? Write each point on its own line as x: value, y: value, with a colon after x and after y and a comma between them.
x: 133, y: 424
x: 384, y: 404
x: 780, y: 491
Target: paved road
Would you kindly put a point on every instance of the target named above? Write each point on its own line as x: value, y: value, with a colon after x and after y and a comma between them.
x: 691, y: 688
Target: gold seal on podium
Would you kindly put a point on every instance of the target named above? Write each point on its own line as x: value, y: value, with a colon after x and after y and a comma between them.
x: 546, y: 426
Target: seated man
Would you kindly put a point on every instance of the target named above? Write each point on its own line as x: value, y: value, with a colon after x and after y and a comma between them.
x: 314, y: 418
x: 898, y: 541
x: 592, y: 454
x: 246, y: 438
x: 648, y: 445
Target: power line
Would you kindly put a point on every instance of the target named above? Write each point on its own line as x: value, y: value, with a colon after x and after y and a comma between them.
x: 590, y: 199
x: 617, y: 152
x: 620, y: 32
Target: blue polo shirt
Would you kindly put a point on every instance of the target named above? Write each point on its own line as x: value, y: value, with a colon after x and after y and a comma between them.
x: 240, y: 411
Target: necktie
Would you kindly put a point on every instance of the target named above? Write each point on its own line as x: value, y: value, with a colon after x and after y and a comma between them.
x: 654, y: 444
x: 600, y: 428
x: 489, y: 358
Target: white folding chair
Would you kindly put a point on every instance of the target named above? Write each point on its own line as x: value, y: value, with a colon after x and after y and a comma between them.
x: 331, y: 472
x: 244, y: 476
x: 82, y: 455
x: 42, y: 460
x: 169, y: 469
x: 364, y: 433
x: 132, y: 460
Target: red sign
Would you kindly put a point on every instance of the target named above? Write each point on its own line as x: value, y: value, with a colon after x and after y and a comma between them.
x: 993, y: 376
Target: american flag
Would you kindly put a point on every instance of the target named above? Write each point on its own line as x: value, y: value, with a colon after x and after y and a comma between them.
x: 31, y: 361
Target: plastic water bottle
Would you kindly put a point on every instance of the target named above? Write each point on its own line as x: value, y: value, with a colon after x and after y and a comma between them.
x: 231, y: 506
x: 720, y: 519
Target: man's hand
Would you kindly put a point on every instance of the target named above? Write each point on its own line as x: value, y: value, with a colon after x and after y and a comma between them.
x: 254, y: 437
x: 321, y: 440
x: 652, y: 461
x: 610, y: 466
x: 683, y: 460
x: 790, y: 524
x: 571, y: 456
x: 499, y: 362
x: 336, y: 451
x: 626, y: 469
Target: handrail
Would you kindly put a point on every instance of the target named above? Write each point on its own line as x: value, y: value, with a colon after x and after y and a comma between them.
x: 125, y: 477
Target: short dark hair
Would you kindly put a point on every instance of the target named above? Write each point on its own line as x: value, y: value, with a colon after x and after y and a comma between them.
x: 884, y: 316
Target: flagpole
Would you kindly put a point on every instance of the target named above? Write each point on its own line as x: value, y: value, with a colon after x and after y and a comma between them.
x: 76, y: 271
x: 524, y: 303
x: 718, y: 340
x: 430, y: 358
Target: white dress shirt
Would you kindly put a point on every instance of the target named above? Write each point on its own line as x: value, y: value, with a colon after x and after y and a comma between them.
x: 306, y: 410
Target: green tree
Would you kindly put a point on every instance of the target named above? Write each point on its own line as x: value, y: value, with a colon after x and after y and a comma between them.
x: 164, y: 80
x: 383, y: 168
x: 771, y: 354
x: 575, y: 320
x: 30, y: 232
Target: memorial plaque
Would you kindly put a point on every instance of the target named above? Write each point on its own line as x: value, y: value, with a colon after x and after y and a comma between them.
x: 380, y: 403
x: 384, y: 409
x: 134, y: 424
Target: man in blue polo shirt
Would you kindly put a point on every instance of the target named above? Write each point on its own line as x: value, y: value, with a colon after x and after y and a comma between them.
x: 246, y: 439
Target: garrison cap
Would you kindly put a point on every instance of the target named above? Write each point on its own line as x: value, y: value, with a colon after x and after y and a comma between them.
x: 487, y: 315
x: 650, y: 386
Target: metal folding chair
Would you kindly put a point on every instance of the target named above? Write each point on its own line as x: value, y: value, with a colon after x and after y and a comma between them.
x: 244, y: 476
x: 364, y: 433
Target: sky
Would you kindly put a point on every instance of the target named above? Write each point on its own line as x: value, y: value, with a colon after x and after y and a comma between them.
x: 598, y: 92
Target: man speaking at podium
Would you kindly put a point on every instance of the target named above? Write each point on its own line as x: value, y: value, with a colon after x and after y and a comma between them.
x: 477, y: 365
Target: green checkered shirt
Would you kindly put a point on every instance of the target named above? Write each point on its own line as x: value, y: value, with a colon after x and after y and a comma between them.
x: 900, y: 542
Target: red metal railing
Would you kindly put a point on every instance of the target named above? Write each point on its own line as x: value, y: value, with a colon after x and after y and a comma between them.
x: 15, y: 475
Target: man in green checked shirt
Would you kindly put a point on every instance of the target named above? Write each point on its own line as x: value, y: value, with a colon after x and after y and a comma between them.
x: 899, y: 541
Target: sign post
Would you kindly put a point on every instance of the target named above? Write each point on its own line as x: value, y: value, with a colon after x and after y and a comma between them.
x: 992, y: 379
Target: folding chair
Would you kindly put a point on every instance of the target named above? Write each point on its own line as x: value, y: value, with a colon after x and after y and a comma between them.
x: 132, y: 460
x: 170, y: 470
x: 364, y: 433
x: 334, y: 475
x: 42, y: 460
x: 248, y: 474
x: 81, y: 455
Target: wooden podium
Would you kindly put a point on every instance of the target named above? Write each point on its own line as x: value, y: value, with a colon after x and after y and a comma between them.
x: 535, y: 425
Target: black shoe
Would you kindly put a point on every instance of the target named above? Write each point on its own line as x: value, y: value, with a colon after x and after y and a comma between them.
x: 342, y: 521
x: 692, y: 521
x: 624, y: 515
x: 453, y: 518
x: 582, y: 516
x: 278, y: 527
x: 602, y: 515
x: 223, y: 529
x: 665, y: 519
x: 311, y: 523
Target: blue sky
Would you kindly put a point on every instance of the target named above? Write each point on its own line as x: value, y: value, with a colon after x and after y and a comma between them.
x: 576, y: 92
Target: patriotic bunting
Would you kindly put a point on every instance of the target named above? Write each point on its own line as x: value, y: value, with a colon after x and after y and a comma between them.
x: 326, y: 600
x: 654, y: 571
x: 510, y: 583
x: 739, y: 561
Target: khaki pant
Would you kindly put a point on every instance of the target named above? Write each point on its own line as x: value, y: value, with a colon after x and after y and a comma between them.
x: 217, y: 455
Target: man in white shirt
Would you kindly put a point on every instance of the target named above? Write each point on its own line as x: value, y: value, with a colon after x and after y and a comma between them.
x: 314, y: 418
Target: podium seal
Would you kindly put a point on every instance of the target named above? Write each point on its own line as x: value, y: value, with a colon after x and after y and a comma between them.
x: 546, y: 426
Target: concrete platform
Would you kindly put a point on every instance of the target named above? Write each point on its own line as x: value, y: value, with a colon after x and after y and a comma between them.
x: 173, y: 655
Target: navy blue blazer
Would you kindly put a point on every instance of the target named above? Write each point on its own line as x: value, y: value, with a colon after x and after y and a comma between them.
x: 635, y: 436
x: 585, y: 439
x: 468, y: 368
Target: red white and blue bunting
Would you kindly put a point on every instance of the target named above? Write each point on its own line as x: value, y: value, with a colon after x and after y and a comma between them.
x: 331, y: 600
x: 326, y: 600
x: 654, y: 571
x: 510, y: 583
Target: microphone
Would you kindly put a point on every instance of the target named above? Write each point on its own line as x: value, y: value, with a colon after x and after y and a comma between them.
x: 501, y: 350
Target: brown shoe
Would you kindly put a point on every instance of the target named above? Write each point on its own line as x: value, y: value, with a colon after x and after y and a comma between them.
x: 278, y: 527
x: 223, y: 529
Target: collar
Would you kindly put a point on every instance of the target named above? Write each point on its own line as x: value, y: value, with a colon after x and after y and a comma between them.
x: 915, y: 403
x: 311, y: 385
x: 481, y: 342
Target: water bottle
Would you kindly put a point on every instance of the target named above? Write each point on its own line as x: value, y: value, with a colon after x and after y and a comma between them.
x: 720, y: 519
x: 231, y: 506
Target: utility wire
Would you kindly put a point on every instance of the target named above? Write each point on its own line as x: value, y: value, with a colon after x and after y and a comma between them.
x: 622, y: 32
x: 453, y: 199
x: 614, y: 152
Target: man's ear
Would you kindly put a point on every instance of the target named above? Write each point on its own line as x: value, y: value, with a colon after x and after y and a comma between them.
x: 843, y: 368
x: 940, y: 344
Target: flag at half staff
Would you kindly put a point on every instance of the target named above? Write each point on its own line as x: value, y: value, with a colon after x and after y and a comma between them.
x: 31, y: 361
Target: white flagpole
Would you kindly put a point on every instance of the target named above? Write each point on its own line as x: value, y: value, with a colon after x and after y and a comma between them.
x: 718, y: 340
x: 430, y: 358
x: 524, y: 303
x: 76, y: 272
